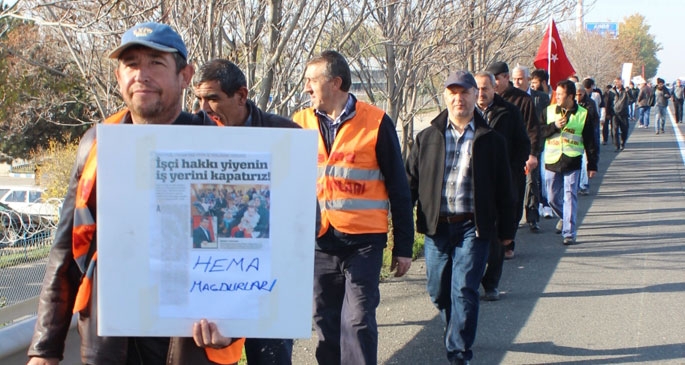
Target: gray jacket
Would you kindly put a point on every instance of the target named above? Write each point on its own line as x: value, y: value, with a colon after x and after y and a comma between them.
x: 662, y: 96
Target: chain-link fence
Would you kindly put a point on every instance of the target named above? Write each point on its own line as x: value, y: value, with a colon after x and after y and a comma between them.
x: 25, y: 241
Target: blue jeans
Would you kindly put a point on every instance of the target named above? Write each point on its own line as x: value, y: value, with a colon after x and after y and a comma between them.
x: 597, y: 138
x: 562, y: 192
x: 543, y: 184
x: 643, y: 115
x: 345, y: 299
x: 661, y: 114
x: 455, y: 262
x: 584, y: 181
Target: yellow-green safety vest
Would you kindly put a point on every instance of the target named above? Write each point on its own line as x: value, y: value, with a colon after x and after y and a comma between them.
x: 569, y: 141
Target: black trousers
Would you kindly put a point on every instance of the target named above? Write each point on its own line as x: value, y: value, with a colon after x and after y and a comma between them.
x: 519, y: 191
x: 346, y: 295
x: 678, y: 105
x: 493, y: 272
x: 532, y: 196
x: 605, y: 129
x: 619, y: 123
x: 268, y: 351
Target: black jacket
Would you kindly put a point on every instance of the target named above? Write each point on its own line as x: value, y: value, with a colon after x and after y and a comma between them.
x: 493, y: 199
x: 540, y: 102
x: 592, y: 113
x: 619, y: 100
x: 524, y: 102
x: 62, y: 279
x: 264, y: 119
x: 506, y: 119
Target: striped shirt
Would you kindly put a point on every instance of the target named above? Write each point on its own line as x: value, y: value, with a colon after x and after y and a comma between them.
x: 457, y: 184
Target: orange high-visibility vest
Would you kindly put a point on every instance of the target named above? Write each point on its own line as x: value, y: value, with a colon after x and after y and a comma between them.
x: 82, y: 237
x: 350, y: 186
x: 84, y: 223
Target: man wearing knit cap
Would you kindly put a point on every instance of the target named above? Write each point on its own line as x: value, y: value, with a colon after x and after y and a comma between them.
x: 459, y: 174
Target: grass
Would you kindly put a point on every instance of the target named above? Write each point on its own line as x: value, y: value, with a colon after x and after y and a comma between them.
x: 417, y: 250
x: 15, y: 256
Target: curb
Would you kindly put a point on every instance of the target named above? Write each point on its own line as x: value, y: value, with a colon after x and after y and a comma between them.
x: 23, y: 176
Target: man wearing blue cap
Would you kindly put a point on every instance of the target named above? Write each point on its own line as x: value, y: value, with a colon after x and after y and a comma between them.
x: 459, y: 174
x: 152, y: 73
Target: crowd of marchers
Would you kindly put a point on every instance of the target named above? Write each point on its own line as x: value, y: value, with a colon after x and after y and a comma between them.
x: 507, y: 150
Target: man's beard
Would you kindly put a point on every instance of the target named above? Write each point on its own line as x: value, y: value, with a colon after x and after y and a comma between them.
x: 149, y: 112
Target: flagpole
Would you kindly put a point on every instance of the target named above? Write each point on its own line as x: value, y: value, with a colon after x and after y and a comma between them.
x: 549, y: 51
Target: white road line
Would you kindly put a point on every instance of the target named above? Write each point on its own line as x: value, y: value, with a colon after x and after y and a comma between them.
x: 678, y: 136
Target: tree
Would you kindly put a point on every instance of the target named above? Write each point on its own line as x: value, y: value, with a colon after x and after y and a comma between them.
x: 413, y: 44
x: 416, y: 43
x: 594, y: 55
x: 42, y: 99
x: 269, y: 39
x: 637, y: 46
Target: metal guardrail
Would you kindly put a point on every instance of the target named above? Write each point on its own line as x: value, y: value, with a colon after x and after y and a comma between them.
x: 26, y: 170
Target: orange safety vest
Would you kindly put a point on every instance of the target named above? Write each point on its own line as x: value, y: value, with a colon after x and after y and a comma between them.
x: 82, y: 237
x: 84, y: 223
x: 350, y: 186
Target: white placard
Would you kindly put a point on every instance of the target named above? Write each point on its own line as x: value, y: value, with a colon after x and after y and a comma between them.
x: 170, y: 251
x: 626, y: 73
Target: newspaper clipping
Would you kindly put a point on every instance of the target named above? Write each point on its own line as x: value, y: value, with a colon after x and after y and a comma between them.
x: 212, y: 241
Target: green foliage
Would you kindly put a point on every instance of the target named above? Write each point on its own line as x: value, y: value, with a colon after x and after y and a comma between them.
x: 14, y: 257
x: 640, y: 46
x: 40, y: 103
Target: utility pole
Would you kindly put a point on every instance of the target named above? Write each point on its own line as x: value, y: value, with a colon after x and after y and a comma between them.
x: 580, y: 21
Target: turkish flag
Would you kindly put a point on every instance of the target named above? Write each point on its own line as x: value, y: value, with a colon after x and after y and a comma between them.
x: 551, y: 57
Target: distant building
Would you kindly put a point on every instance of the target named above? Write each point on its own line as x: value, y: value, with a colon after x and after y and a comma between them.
x: 367, y: 72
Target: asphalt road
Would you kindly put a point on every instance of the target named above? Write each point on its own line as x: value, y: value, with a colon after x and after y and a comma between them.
x: 617, y: 297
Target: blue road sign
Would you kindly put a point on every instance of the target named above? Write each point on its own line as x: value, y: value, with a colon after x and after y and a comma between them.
x: 603, y: 28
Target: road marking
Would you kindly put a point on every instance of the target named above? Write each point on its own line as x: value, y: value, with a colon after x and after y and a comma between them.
x: 678, y: 136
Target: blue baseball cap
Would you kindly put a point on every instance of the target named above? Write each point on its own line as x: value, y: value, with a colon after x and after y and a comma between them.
x: 152, y: 35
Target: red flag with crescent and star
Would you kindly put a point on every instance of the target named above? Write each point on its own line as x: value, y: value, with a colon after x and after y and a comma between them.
x: 552, y: 57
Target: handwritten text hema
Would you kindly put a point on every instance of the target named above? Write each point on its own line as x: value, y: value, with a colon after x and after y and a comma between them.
x: 207, y: 169
x: 210, y: 265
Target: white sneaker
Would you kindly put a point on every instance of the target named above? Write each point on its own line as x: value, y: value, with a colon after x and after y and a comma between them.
x: 547, y: 212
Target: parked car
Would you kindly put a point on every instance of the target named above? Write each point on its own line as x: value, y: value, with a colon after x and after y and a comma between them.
x: 27, y: 199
